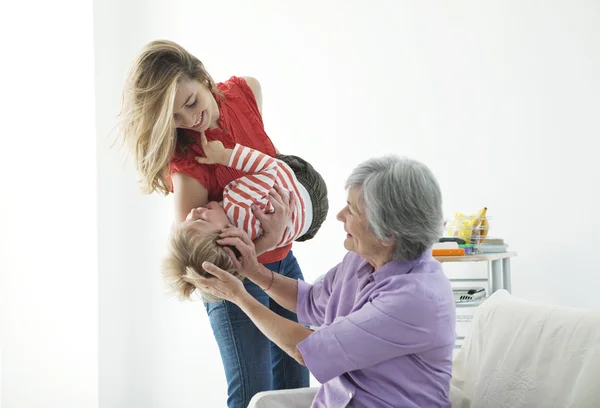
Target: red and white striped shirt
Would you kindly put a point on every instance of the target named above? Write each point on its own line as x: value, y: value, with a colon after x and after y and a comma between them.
x: 263, y: 171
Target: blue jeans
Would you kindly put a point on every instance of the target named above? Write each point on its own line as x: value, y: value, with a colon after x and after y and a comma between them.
x: 252, y: 362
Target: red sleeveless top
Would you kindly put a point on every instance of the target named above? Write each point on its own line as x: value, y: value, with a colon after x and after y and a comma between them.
x: 239, y: 122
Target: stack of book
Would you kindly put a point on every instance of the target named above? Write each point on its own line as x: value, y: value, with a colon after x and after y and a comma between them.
x: 447, y: 249
x: 492, y: 246
x: 457, y: 247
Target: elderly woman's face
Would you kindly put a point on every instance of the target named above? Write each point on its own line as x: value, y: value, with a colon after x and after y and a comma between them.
x: 360, y: 238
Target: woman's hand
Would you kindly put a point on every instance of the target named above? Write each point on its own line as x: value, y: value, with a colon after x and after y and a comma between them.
x: 274, y: 223
x: 222, y: 284
x: 247, y: 263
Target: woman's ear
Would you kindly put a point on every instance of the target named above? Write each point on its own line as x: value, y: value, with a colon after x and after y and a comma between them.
x: 387, y: 242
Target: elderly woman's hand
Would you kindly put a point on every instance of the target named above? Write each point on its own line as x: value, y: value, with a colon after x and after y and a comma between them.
x: 246, y: 263
x: 222, y: 284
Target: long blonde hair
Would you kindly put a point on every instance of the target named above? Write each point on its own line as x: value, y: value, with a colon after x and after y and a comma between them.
x: 146, y: 122
x: 187, y: 251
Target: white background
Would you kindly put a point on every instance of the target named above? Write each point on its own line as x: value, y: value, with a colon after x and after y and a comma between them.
x: 500, y: 99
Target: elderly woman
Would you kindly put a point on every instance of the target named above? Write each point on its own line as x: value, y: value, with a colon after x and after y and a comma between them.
x: 385, y: 314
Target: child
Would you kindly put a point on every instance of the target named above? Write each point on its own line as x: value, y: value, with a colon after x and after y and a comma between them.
x: 194, y: 240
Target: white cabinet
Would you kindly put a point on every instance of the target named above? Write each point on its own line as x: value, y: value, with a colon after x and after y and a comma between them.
x: 498, y: 277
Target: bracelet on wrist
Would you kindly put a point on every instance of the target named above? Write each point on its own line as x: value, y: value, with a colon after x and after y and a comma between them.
x: 272, y: 280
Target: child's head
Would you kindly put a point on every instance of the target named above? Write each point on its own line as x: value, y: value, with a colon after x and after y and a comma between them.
x: 209, y: 219
x: 189, y: 248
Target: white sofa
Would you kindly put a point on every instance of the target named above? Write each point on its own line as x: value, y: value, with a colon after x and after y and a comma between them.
x: 517, y: 354
x: 524, y: 354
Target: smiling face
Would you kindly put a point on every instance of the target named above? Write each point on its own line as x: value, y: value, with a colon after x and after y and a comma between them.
x: 359, y: 237
x: 209, y: 219
x: 195, y: 107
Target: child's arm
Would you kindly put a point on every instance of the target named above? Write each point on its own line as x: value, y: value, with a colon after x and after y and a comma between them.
x: 251, y: 189
x: 241, y: 158
x: 214, y: 151
x: 261, y: 171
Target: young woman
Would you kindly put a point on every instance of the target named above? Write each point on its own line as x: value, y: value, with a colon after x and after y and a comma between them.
x: 168, y: 100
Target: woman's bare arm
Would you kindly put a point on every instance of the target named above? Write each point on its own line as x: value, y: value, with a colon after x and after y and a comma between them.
x: 256, y: 89
x: 286, y: 333
x: 189, y: 194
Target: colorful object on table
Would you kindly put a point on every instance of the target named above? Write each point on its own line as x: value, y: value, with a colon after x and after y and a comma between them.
x: 472, y: 229
x: 448, y: 252
x: 469, y: 248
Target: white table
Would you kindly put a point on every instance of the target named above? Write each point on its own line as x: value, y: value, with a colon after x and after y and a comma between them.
x: 498, y: 278
x: 498, y: 268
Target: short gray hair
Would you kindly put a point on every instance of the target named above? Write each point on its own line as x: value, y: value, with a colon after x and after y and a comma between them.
x: 402, y: 201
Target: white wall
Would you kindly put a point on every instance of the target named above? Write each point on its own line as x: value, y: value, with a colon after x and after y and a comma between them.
x: 48, y: 263
x: 499, y: 99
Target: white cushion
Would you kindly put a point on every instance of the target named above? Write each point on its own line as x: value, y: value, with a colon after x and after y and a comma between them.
x: 525, y: 354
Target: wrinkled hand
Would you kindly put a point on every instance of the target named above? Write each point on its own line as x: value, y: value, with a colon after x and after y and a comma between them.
x: 274, y: 223
x: 222, y: 284
x: 247, y: 263
x: 214, y: 151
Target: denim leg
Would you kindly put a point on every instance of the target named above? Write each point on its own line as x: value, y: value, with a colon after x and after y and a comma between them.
x: 287, y: 372
x: 252, y: 362
x: 244, y: 350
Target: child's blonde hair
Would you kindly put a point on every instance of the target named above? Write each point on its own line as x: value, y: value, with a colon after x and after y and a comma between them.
x: 188, y: 249
x: 146, y: 120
